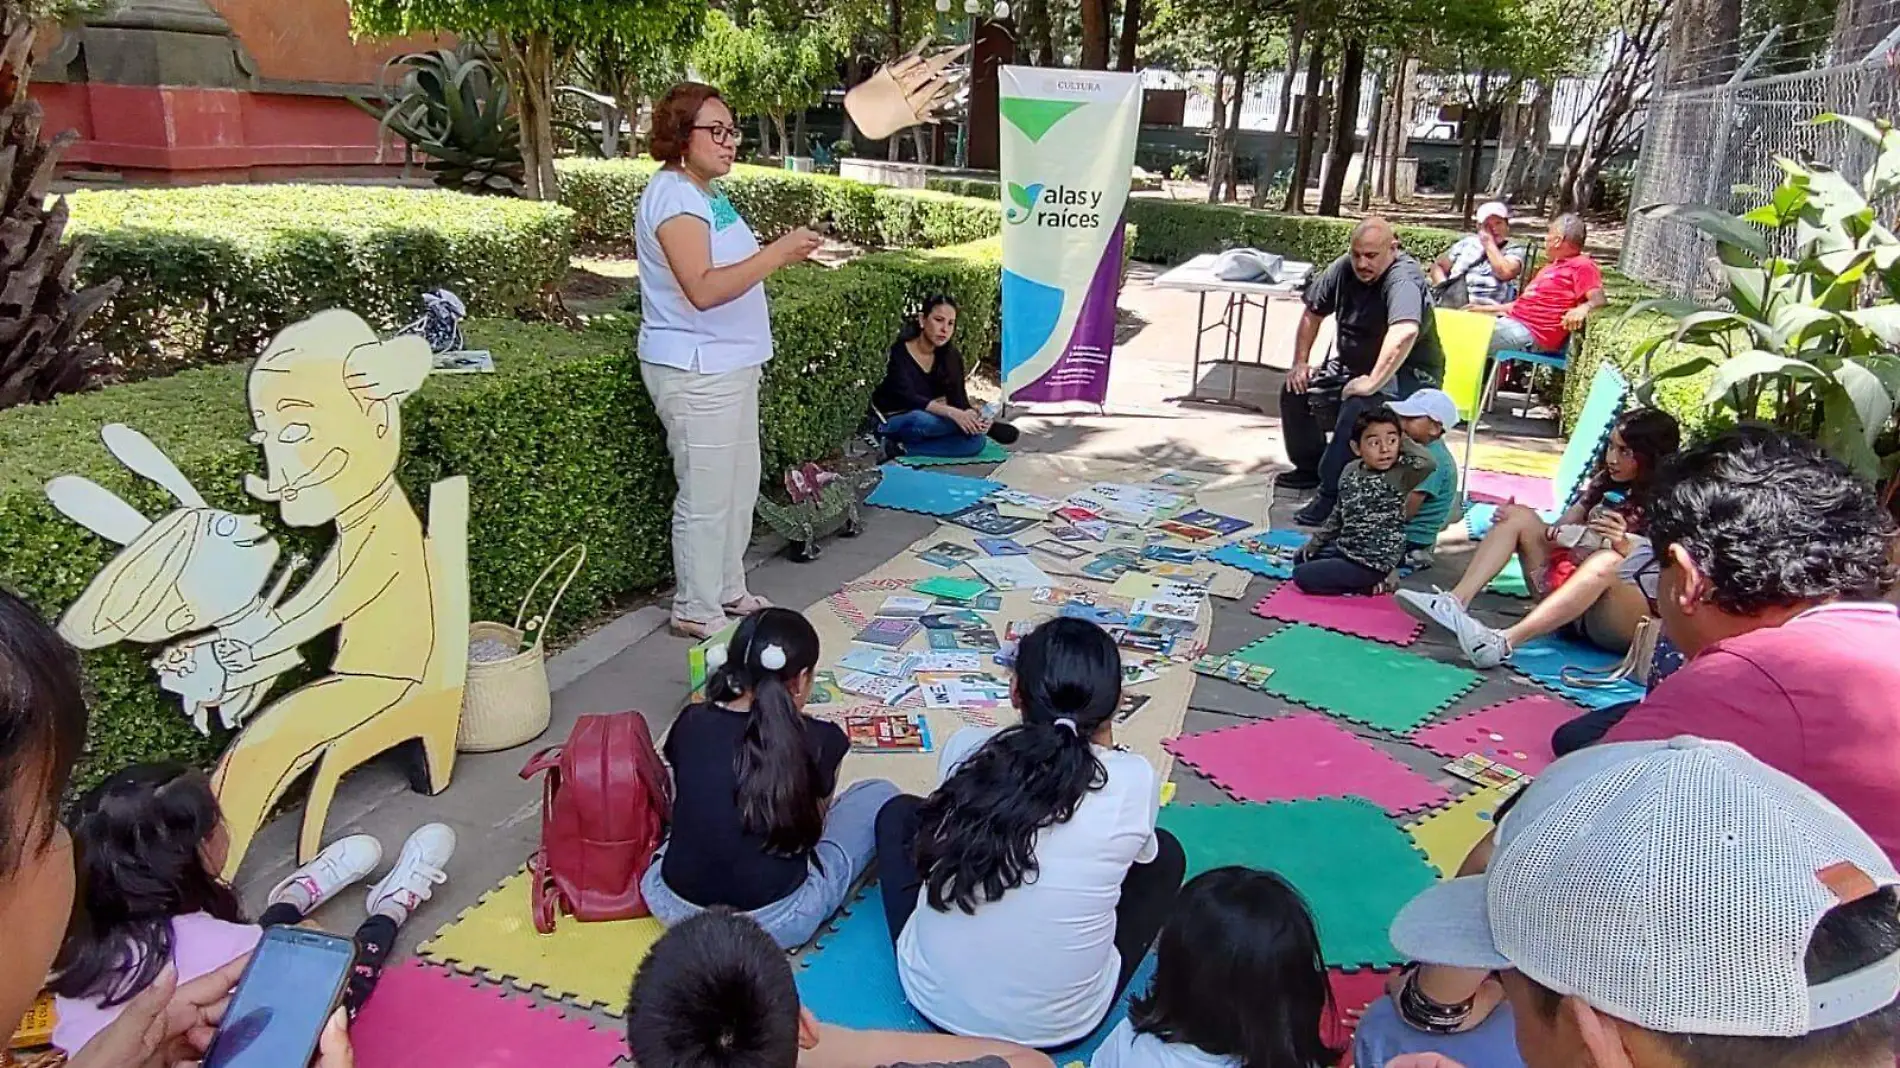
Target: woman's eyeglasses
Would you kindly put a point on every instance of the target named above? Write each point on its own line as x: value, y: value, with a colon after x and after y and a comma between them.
x: 723, y: 135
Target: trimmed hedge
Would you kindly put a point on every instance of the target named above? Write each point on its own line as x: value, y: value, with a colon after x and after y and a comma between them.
x: 979, y: 188
x: 1174, y: 231
x: 211, y: 272
x: 561, y: 445
x: 1610, y: 337
x: 605, y: 193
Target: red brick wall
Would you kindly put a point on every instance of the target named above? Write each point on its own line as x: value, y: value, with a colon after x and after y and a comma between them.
x: 309, y: 41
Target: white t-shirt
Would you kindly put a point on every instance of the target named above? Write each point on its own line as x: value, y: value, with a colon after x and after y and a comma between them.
x: 673, y: 333
x: 1126, y: 1048
x: 1038, y: 966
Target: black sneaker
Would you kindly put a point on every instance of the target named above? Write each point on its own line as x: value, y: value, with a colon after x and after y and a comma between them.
x: 1004, y: 433
x: 1299, y: 480
x: 1316, y: 512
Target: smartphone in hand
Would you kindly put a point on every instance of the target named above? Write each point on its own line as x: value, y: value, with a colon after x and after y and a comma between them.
x: 291, y: 986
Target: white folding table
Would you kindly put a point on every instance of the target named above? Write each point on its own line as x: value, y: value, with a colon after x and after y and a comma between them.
x: 1197, y: 276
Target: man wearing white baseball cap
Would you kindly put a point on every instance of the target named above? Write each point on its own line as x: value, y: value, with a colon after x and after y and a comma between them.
x: 1676, y: 904
x: 1480, y: 267
x: 1426, y: 417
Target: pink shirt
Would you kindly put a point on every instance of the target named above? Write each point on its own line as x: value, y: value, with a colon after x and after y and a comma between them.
x: 1817, y: 698
x: 200, y: 944
x: 1559, y: 287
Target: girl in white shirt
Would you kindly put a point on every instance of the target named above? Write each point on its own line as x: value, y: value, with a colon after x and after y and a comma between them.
x: 1239, y: 982
x: 1025, y: 891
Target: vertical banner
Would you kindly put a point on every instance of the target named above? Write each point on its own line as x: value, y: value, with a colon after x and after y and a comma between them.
x: 1068, y: 146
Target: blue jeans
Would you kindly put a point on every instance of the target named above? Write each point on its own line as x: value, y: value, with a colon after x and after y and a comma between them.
x: 1339, y: 449
x: 1509, y: 335
x: 929, y: 434
x: 846, y: 849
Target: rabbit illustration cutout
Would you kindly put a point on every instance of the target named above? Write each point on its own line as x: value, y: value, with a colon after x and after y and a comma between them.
x: 188, y: 572
x: 325, y: 400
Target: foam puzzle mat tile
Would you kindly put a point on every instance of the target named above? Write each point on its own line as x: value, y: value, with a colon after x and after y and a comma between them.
x: 1355, y: 679
x: 1481, y: 517
x: 589, y: 964
x: 1254, y: 563
x: 1499, y: 487
x: 1448, y: 835
x: 1351, y: 863
x: 426, y: 1015
x: 1352, y: 992
x: 1515, y: 733
x: 1489, y: 456
x: 1305, y: 756
x: 1601, y: 407
x: 1378, y: 617
x: 850, y: 979
x: 928, y: 492
x: 1544, y: 659
x: 1511, y: 581
x: 991, y: 453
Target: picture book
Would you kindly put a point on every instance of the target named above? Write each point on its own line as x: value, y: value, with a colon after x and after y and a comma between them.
x: 1021, y: 499
x: 963, y: 690
x: 985, y: 519
x: 1124, y: 555
x: 962, y: 617
x: 1136, y: 672
x: 1140, y: 641
x: 1220, y: 524
x: 939, y: 559
x: 1001, y: 546
x: 696, y: 669
x: 980, y: 639
x: 1170, y: 554
x: 1096, y: 529
x: 1168, y: 608
x: 948, y: 554
x: 874, y: 662
x: 1076, y: 514
x: 1188, y: 531
x: 1172, y: 479
x: 1105, y: 570
x: 1200, y: 578
x: 1069, y: 534
x: 889, y: 633
x: 945, y: 588
x: 1098, y: 615
x: 1060, y: 550
x: 987, y: 602
x: 888, y: 732
x: 1131, y: 703
x: 1486, y: 772
x: 1011, y: 573
x: 1252, y: 676
x: 940, y: 660
x: 877, y: 687
x: 1017, y: 511
x: 1005, y: 656
x: 1060, y: 595
x: 1126, y: 537
x: 824, y: 688
x: 902, y: 606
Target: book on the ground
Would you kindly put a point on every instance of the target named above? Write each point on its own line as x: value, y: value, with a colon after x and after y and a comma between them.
x: 1021, y: 499
x: 1168, y: 608
x: 1060, y: 550
x: 1484, y: 771
x: 879, y: 662
x: 824, y: 688
x: 1252, y: 676
x: 941, y: 660
x: 987, y: 602
x: 888, y: 732
x: 877, y: 687
x: 1170, y: 554
x: 1136, y: 672
x: 979, y: 639
x: 1100, y: 615
x: 1070, y: 534
x: 1172, y: 479
x: 904, y: 606
x: 890, y: 633
x: 963, y: 690
x: 1220, y: 524
x: 947, y: 554
x: 1073, y: 513
x: 985, y: 519
x: 1001, y: 546
x: 696, y: 669
x: 1130, y: 704
x: 1163, y: 625
x: 1188, y: 531
x: 962, y: 617
x: 1012, y: 573
x: 1105, y: 570
x: 945, y: 588
x: 1096, y: 529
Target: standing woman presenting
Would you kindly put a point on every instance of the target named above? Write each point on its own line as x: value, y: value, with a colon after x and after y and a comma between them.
x: 705, y: 335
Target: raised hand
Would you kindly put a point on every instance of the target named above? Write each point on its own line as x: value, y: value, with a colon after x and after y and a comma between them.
x: 906, y: 92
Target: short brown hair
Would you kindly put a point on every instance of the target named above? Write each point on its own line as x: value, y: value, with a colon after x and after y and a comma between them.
x: 674, y: 117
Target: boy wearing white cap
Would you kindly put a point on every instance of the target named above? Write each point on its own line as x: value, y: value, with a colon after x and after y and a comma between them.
x: 1426, y: 417
x: 1676, y: 904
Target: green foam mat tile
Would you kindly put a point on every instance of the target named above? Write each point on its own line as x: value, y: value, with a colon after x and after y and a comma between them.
x: 990, y: 453
x: 1357, y: 680
x: 1352, y: 864
x: 1511, y: 582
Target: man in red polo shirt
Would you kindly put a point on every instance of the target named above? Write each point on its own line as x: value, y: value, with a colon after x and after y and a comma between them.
x: 1773, y: 559
x: 1557, y: 301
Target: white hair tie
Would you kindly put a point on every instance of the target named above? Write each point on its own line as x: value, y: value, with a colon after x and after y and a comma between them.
x: 1067, y: 724
x: 716, y: 657
x: 772, y: 658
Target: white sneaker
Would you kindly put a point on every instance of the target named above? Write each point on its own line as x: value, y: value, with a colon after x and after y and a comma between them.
x: 417, y: 872
x: 1437, y: 607
x: 1484, y: 647
x: 342, y: 863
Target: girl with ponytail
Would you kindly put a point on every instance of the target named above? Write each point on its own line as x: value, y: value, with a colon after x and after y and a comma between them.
x: 755, y: 826
x: 1025, y: 891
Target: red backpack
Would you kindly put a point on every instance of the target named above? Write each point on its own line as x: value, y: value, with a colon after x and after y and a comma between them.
x: 604, y: 808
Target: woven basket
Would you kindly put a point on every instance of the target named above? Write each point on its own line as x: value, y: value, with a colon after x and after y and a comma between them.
x: 506, y: 702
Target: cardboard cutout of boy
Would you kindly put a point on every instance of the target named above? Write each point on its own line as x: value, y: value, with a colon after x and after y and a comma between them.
x: 325, y: 398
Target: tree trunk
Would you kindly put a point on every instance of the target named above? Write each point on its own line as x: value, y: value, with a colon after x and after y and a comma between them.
x: 1217, y: 135
x: 1375, y: 128
x: 765, y: 136
x: 1131, y: 35
x: 529, y: 62
x: 1704, y: 41
x: 1235, y: 99
x: 801, y: 144
x: 1352, y: 66
x: 1470, y: 142
x: 1527, y: 183
x: 1469, y: 203
x: 1282, y: 108
x: 1044, y: 36
x: 1309, y: 126
x: 1859, y: 25
x: 1401, y: 140
x: 1094, y: 35
x: 920, y: 140
x: 851, y: 79
x: 786, y: 147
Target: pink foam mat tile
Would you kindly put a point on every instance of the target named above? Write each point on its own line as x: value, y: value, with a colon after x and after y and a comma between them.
x: 1304, y: 756
x: 1352, y: 992
x: 1379, y: 618
x: 1515, y: 733
x: 1502, y: 487
x: 422, y: 1014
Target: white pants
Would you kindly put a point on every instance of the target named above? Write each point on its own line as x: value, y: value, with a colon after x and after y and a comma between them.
x: 712, y: 430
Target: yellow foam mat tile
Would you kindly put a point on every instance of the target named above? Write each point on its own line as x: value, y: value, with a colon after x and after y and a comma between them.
x: 1448, y: 835
x: 1491, y: 457
x: 588, y: 964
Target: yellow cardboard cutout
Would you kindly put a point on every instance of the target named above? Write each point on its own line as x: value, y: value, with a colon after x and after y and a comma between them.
x: 326, y: 400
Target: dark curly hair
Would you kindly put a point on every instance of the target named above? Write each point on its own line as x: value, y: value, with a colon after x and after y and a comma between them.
x: 1772, y: 521
x: 977, y: 835
x: 1652, y: 436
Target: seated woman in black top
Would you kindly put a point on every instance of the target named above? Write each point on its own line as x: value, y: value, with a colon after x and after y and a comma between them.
x: 921, y: 406
x: 755, y: 827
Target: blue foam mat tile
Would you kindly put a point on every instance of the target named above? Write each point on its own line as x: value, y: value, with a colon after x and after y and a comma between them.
x: 1233, y: 555
x: 850, y: 979
x: 1542, y: 660
x: 1601, y: 406
x: 1483, y: 515
x: 928, y: 492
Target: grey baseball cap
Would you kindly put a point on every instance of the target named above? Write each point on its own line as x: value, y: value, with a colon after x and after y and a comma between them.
x: 1674, y: 885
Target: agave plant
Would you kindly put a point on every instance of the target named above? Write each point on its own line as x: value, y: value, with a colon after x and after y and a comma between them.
x: 1809, y: 339
x: 453, y: 106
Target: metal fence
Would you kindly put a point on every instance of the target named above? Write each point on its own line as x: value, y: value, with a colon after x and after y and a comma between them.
x: 1717, y: 146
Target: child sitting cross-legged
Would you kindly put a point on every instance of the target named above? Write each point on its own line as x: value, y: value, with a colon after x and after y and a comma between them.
x: 1363, y: 542
x: 716, y: 992
x: 1239, y: 982
x: 150, y: 843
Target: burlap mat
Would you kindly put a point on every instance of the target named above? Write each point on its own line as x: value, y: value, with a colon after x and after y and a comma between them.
x: 841, y: 616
